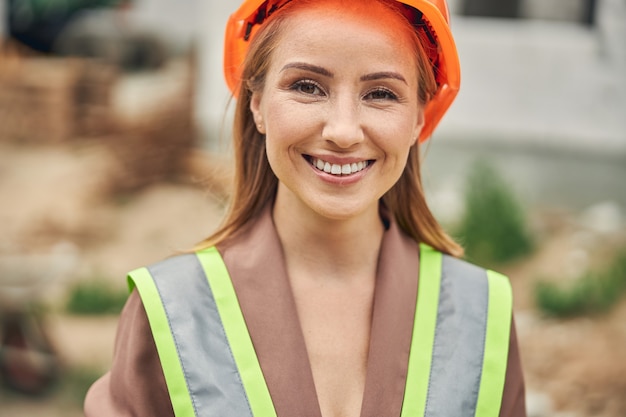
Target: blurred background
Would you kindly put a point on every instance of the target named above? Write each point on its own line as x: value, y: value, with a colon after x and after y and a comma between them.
x: 114, y: 130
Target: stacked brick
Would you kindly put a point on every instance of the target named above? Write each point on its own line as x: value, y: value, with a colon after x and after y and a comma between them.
x: 153, y: 148
x: 45, y: 100
x: 93, y: 111
x: 53, y: 100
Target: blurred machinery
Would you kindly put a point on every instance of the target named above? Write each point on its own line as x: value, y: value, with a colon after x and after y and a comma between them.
x: 28, y: 361
x: 103, y: 29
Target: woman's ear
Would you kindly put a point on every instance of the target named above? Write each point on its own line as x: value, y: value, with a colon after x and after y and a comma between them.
x: 255, y: 108
x: 419, y: 125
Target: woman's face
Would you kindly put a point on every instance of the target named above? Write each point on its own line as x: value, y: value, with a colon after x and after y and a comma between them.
x: 339, y: 109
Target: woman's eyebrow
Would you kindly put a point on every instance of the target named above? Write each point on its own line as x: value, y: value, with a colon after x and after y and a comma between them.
x: 308, y: 67
x: 382, y: 75
x: 323, y: 71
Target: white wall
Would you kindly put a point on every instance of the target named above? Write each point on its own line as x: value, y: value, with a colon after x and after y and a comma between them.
x: 542, y: 83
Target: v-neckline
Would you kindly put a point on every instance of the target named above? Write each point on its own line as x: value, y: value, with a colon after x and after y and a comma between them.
x: 257, y: 269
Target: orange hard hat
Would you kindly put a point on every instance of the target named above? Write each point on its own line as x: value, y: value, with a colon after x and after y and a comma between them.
x: 433, y: 17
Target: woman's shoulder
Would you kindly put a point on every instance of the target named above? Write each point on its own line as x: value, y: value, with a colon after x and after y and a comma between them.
x: 135, y: 385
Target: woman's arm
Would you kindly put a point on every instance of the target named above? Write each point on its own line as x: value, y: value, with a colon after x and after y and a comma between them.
x: 135, y: 385
x: 513, y: 397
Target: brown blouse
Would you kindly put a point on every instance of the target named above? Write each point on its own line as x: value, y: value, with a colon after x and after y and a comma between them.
x: 135, y: 385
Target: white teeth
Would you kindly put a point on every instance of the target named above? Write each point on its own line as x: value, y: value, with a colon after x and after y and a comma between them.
x: 336, y: 169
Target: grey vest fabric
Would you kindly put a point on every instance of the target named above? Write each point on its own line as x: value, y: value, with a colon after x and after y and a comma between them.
x: 459, y: 340
x: 212, y: 376
x: 208, y: 364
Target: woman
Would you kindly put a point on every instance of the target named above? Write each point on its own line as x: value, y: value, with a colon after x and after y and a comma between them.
x: 330, y: 289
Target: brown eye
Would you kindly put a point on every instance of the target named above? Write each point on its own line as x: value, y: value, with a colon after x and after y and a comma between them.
x: 381, y: 94
x: 307, y: 87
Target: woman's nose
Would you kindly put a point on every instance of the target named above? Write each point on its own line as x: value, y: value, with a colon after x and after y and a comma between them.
x: 343, y: 125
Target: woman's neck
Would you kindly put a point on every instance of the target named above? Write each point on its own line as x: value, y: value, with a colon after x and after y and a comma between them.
x: 327, y: 248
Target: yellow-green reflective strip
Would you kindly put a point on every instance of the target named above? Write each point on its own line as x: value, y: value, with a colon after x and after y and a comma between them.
x: 237, y: 333
x: 172, y: 370
x: 420, y: 358
x: 496, y: 346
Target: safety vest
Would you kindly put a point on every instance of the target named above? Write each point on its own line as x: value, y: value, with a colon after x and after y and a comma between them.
x: 462, y: 321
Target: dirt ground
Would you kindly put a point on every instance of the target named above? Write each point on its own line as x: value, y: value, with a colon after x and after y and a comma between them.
x: 52, y: 212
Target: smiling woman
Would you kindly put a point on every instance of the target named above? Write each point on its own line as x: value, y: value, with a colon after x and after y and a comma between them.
x: 329, y: 290
x: 338, y: 103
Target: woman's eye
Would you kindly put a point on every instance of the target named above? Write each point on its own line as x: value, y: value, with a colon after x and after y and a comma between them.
x: 381, y: 94
x: 307, y: 87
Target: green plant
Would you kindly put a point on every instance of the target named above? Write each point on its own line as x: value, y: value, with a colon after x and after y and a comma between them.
x: 594, y: 292
x: 75, y: 382
x: 493, y: 229
x: 95, y: 297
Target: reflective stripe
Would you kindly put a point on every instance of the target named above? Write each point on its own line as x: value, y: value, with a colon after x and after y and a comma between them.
x: 237, y: 333
x: 459, y: 348
x: 166, y: 347
x: 211, y: 375
x: 420, y: 355
x: 496, y: 352
x: 459, y: 340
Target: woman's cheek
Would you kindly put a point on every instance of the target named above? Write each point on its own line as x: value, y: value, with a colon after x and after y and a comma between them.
x: 289, y: 121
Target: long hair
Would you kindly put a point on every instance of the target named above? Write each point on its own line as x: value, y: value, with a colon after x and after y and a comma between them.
x: 255, y: 184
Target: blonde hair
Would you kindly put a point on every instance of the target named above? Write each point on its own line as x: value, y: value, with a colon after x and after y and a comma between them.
x: 255, y: 184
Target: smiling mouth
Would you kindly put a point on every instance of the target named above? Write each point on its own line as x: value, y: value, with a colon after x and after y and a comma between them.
x: 338, y: 169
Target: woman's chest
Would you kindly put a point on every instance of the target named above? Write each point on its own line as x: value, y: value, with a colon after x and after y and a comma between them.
x: 336, y: 328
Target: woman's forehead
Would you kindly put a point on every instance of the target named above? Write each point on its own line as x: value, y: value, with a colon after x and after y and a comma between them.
x: 330, y: 39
